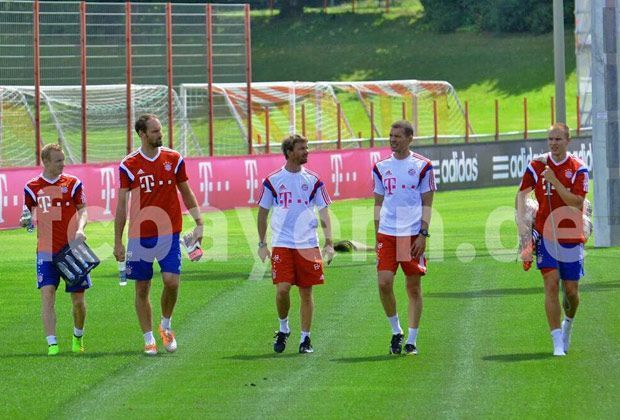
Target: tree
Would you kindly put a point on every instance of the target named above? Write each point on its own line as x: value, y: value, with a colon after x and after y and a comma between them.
x: 291, y: 8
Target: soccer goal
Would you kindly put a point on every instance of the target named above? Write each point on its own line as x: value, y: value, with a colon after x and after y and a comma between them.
x: 328, y: 113
x: 61, y: 121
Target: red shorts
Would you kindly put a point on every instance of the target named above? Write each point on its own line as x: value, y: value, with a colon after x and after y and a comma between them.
x: 300, y: 267
x: 395, y: 250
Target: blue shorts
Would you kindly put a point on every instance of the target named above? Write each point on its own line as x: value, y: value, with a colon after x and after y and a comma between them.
x: 48, y: 274
x: 569, y: 261
x: 141, y: 252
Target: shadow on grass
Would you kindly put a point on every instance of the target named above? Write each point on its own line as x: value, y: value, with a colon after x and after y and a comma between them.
x: 251, y: 357
x: 517, y: 357
x: 68, y: 354
x: 377, y: 358
x: 607, y: 286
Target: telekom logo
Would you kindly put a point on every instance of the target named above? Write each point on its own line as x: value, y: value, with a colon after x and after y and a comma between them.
x: 336, y: 165
x: 147, y: 182
x: 251, y: 182
x: 286, y: 198
x: 205, y: 171
x: 389, y: 184
x: 107, y: 190
x: 3, y: 198
x: 374, y: 158
x: 45, y: 201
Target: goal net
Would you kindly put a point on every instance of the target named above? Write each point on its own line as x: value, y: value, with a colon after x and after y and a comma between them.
x: 322, y: 111
x: 61, y: 121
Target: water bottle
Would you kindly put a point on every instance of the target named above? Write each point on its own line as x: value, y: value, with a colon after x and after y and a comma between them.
x: 122, y: 273
x: 26, y: 220
x: 194, y: 251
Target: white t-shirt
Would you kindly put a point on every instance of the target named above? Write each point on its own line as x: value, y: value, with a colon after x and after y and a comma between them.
x: 293, y: 196
x: 402, y: 182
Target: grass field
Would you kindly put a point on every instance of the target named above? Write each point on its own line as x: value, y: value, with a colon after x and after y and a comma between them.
x: 484, y: 346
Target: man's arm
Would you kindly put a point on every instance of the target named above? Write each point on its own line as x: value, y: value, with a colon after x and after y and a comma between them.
x: 189, y: 199
x: 419, y: 245
x: 120, y: 218
x: 572, y: 200
x: 82, y: 219
x: 520, y: 200
x: 326, y: 225
x: 377, y: 211
x: 261, y: 224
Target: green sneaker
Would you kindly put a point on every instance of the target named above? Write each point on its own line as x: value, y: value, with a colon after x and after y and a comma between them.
x: 53, y: 350
x: 77, y: 344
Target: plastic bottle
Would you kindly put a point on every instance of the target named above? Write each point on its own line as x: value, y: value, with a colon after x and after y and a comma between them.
x: 122, y: 273
x: 26, y: 220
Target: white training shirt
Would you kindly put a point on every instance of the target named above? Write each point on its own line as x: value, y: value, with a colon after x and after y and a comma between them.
x: 402, y: 182
x: 293, y: 196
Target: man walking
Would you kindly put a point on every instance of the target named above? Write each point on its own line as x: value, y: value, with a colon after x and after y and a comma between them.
x: 293, y: 191
x: 151, y: 176
x: 404, y: 188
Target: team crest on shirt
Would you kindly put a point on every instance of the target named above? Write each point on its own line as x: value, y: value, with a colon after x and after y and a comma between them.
x: 168, y: 166
x: 411, y: 172
x: 304, y: 187
x: 64, y: 189
x: 568, y: 174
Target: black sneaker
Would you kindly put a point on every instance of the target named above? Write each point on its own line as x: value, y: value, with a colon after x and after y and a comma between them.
x: 411, y: 349
x: 280, y: 344
x: 305, y: 346
x: 396, y: 346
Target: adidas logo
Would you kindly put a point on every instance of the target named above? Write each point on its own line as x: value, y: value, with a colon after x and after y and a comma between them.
x: 282, y: 187
x: 388, y: 172
x: 140, y: 172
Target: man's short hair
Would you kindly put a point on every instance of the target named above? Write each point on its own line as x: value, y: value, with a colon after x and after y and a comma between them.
x: 288, y: 144
x: 562, y: 127
x: 140, y: 124
x: 47, y: 150
x: 405, y: 125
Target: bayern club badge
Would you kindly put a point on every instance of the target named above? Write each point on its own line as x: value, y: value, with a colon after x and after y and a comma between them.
x: 168, y: 166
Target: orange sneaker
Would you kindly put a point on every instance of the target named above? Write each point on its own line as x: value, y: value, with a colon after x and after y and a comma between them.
x: 167, y: 336
x: 150, y: 349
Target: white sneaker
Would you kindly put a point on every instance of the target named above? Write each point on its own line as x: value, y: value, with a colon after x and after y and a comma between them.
x: 567, y: 332
x: 558, y: 351
x: 167, y: 336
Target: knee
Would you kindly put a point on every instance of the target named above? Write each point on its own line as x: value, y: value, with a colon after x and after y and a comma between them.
x: 572, y: 294
x: 552, y: 289
x: 386, y: 286
x: 283, y: 292
x: 414, y: 291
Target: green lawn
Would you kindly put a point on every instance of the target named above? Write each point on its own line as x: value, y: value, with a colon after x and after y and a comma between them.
x: 484, y: 345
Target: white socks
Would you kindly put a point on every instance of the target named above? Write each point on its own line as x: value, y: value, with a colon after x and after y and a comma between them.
x: 165, y: 323
x: 284, y: 326
x: 51, y: 340
x: 304, y: 334
x: 567, y: 331
x: 395, y: 324
x: 413, y: 334
x: 558, y: 342
x: 148, y: 338
x: 78, y: 332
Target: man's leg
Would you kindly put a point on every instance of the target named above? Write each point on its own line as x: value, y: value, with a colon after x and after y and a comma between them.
x: 145, y: 315
x: 168, y: 301
x: 306, y: 309
x: 388, y: 300
x: 553, y: 309
x: 79, y: 316
x: 283, y: 305
x: 48, y: 314
x: 414, y: 310
x: 571, y: 288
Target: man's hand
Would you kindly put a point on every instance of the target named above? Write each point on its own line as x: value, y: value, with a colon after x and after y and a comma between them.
x: 549, y: 176
x: 197, y: 234
x: 328, y: 253
x: 264, y: 253
x: 418, y: 247
x: 119, y: 252
x: 80, y: 235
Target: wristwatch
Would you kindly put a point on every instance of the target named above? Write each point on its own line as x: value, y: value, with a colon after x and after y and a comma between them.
x: 425, y: 233
x: 262, y: 244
